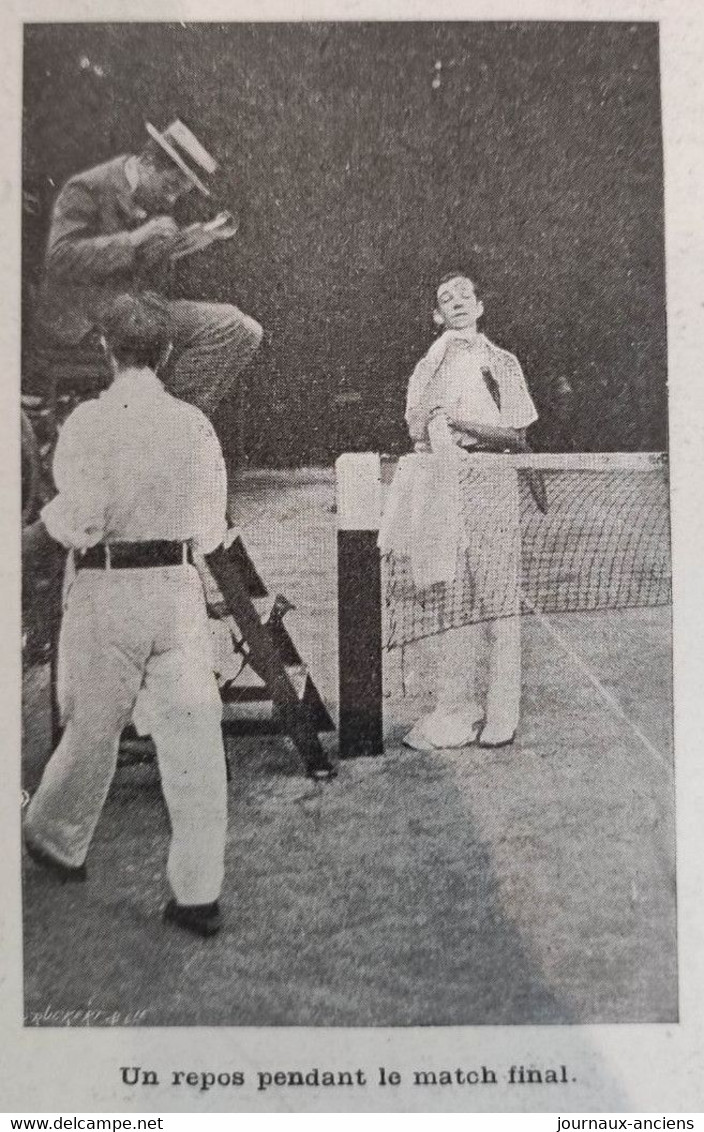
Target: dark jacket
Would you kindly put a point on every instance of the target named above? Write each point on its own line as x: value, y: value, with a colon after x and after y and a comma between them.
x: 89, y: 258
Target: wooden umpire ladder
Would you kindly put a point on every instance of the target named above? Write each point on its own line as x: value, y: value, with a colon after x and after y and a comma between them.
x: 297, y: 709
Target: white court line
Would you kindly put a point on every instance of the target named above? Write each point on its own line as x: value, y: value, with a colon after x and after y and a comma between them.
x: 596, y: 683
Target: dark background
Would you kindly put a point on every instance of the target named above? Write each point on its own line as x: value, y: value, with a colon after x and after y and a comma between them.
x: 365, y: 160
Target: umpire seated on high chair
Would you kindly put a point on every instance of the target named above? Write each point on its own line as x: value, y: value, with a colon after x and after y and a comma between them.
x: 112, y: 232
x: 141, y: 495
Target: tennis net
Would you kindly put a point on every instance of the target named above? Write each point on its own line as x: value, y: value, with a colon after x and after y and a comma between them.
x: 495, y: 535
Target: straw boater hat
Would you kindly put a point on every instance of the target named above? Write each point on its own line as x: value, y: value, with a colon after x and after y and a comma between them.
x: 186, y: 152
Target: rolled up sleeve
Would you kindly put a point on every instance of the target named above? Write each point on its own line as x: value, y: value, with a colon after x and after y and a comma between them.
x: 517, y: 409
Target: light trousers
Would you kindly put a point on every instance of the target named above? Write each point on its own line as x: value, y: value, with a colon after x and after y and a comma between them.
x: 124, y: 630
x: 458, y: 667
x: 458, y: 711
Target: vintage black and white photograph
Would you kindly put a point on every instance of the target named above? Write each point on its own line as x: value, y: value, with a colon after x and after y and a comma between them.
x: 346, y: 587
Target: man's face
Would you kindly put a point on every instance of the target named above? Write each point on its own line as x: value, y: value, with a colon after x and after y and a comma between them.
x: 458, y: 307
x: 160, y: 187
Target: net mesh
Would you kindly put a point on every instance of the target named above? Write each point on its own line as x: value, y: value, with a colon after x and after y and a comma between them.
x: 547, y: 538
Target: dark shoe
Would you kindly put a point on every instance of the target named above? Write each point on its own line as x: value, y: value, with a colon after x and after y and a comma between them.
x: 51, y: 864
x: 202, y: 919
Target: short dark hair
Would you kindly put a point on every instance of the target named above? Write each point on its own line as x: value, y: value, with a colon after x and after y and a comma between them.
x: 459, y: 274
x: 137, y: 330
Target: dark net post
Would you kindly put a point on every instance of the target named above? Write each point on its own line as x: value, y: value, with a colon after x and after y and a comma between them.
x: 359, y: 604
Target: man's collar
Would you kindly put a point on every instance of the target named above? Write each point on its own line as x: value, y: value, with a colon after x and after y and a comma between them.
x: 471, y: 336
x: 131, y: 170
x: 134, y: 382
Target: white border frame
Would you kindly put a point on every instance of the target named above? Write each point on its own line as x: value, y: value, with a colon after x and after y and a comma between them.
x: 657, y: 1068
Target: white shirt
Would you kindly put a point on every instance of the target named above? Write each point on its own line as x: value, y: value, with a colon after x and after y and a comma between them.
x: 450, y: 376
x: 440, y: 507
x: 137, y: 464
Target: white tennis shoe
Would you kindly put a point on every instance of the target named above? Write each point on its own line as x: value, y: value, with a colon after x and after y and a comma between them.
x: 443, y: 730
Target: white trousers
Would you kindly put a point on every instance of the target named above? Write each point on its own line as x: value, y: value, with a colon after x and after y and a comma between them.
x: 124, y: 630
x: 458, y: 709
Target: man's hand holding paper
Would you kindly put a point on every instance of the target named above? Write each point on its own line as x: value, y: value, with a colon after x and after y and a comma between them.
x: 197, y: 237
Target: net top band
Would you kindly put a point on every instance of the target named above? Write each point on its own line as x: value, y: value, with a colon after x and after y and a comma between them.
x: 557, y: 461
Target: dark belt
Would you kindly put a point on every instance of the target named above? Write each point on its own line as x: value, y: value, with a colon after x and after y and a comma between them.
x: 132, y: 555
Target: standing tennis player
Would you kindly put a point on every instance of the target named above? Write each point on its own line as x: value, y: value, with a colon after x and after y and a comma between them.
x: 469, y: 396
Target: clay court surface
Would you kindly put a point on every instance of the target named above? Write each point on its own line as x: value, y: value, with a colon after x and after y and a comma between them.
x: 534, y: 884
